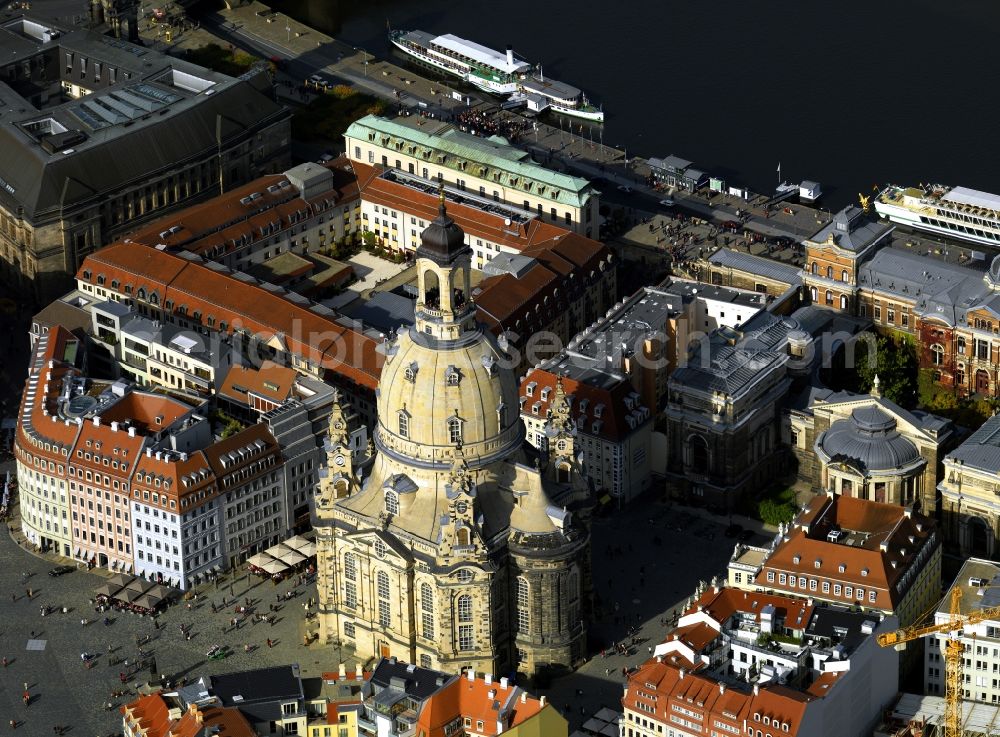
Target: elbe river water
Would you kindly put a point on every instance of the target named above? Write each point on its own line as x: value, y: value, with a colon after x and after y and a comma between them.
x: 849, y: 93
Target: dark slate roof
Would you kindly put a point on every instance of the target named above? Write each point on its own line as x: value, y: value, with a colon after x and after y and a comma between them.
x: 384, y: 311
x: 418, y: 683
x: 868, y: 440
x: 115, y: 156
x: 981, y: 450
x: 841, y: 625
x: 279, y: 683
x: 765, y: 267
x: 167, y: 126
x: 852, y: 230
x: 939, y: 289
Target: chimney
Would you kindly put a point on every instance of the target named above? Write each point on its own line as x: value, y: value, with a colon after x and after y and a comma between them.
x: 192, y: 708
x: 114, y: 426
x: 131, y: 432
x: 681, y: 673
x: 97, y: 422
x: 341, y: 671
x: 510, y: 56
x: 524, y: 697
x: 756, y: 689
x: 149, y: 451
x: 471, y: 675
x: 488, y: 679
x: 504, y: 683
x: 541, y: 700
x: 722, y: 688
x: 358, y: 675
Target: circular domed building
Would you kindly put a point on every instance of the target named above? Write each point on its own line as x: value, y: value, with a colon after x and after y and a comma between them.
x: 450, y: 553
x: 865, y: 456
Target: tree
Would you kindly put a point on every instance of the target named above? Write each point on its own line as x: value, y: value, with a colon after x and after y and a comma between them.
x: 895, y: 364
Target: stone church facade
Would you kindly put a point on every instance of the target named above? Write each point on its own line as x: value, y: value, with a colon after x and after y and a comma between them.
x: 448, y: 551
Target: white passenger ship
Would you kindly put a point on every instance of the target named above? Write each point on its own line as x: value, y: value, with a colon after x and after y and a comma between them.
x: 958, y: 212
x: 489, y: 70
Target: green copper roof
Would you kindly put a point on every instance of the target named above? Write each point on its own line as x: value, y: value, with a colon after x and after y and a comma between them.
x: 491, y: 158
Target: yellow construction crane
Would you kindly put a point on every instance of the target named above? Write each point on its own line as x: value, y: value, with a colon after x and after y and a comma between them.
x: 953, y: 653
x: 866, y: 202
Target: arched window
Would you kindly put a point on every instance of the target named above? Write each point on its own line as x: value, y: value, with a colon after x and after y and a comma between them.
x: 829, y: 297
x: 384, y: 615
x: 350, y: 581
x: 391, y: 502
x: 829, y: 272
x: 427, y: 610
x: 843, y: 302
x: 523, y: 606
x: 454, y: 430
x: 563, y: 473
x: 501, y: 415
x: 463, y: 536
x: 464, y: 606
x: 843, y: 275
x: 937, y: 354
x: 813, y: 293
x: 404, y: 423
x: 141, y: 293
x: 699, y: 454
x: 573, y: 594
x: 154, y: 298
x: 815, y: 268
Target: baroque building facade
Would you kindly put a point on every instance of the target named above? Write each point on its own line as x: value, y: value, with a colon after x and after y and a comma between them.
x: 450, y: 552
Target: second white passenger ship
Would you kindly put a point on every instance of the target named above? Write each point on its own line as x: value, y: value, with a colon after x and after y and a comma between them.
x: 958, y: 212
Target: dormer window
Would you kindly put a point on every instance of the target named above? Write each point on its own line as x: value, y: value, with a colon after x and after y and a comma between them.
x: 391, y: 502
x: 455, y: 430
x: 842, y: 568
x: 410, y: 373
x: 452, y: 376
x: 530, y: 389
x: 404, y: 423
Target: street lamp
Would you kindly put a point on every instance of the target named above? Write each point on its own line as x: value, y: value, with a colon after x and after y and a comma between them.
x: 288, y: 33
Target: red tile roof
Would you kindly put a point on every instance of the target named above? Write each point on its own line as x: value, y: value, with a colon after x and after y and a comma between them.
x: 147, y: 411
x: 565, y: 265
x: 151, y: 715
x: 224, y: 219
x: 656, y: 686
x: 475, y: 700
x: 722, y: 605
x: 874, y: 554
x: 613, y: 401
x: 270, y: 381
x: 215, y: 293
x: 475, y: 222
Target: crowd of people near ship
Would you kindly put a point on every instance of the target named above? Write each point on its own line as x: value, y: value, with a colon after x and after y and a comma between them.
x: 482, y: 123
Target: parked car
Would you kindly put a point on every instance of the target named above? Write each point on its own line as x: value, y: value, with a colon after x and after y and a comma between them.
x: 60, y: 570
x: 667, y: 202
x: 625, y: 188
x: 731, y: 225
